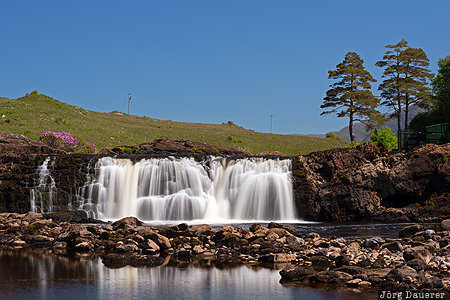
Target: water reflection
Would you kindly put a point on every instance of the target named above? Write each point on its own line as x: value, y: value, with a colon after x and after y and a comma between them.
x: 42, y: 276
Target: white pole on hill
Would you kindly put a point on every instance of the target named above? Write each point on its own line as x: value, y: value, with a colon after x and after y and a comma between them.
x: 271, y: 116
x: 129, y: 100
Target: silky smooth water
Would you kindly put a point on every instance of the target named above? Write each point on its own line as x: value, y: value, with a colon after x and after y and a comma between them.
x: 217, y: 189
x: 25, y: 275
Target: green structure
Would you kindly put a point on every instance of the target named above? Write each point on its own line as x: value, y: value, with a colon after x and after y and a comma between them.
x: 437, y: 134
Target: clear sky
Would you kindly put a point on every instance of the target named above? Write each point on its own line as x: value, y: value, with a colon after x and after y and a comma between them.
x: 206, y: 61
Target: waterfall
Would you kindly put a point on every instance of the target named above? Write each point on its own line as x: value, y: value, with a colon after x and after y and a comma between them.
x: 44, y: 192
x: 157, y: 189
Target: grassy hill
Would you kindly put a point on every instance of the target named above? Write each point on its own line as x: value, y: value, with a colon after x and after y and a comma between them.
x: 35, y: 113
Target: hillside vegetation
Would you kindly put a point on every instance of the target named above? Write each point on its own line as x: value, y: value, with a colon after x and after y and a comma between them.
x: 34, y: 114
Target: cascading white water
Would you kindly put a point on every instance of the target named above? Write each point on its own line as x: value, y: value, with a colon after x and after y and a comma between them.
x: 43, y: 193
x: 182, y: 189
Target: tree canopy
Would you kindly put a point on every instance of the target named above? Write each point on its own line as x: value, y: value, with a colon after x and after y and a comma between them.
x: 440, y: 111
x: 406, y: 80
x: 350, y: 96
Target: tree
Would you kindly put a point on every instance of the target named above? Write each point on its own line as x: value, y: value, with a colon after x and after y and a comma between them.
x: 440, y: 112
x: 350, y: 96
x: 391, y: 87
x: 407, y: 75
x: 384, y: 136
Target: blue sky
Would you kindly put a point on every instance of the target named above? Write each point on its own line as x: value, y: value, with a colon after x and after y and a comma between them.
x: 206, y: 61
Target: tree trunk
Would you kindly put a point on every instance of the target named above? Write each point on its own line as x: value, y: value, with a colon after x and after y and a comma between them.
x: 399, y: 113
x: 406, y: 113
x: 350, y: 128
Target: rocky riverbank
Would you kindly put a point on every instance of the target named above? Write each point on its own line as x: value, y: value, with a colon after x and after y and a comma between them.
x: 418, y: 258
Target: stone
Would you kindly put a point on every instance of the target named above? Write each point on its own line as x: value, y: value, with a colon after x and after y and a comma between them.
x: 352, y: 270
x: 277, y: 258
x: 419, y: 252
x: 410, y: 231
x: 198, y: 249
x: 393, y: 246
x: 342, y: 260
x: 371, y: 244
x: 122, y: 248
x: 132, y: 221
x: 84, y: 246
x: 333, y: 277
x: 160, y: 240
x: 18, y: 244
x: 297, y: 274
x: 445, y: 225
x: 428, y: 234
x: 150, y: 247
x: 272, y: 236
x: 321, y: 262
x: 403, y: 274
x: 39, y: 241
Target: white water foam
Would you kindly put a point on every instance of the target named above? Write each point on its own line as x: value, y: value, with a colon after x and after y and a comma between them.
x: 182, y: 189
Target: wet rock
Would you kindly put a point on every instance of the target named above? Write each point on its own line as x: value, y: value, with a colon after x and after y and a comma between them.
x: 39, y: 241
x: 297, y: 274
x: 333, y: 277
x: 114, y: 260
x: 277, y: 258
x: 410, y: 231
x: 18, y: 244
x: 393, y: 246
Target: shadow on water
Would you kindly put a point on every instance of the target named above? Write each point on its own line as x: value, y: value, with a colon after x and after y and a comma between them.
x: 26, y: 275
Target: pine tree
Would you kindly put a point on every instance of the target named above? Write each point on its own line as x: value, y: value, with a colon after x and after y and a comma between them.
x: 350, y: 96
x: 407, y: 75
x: 391, y: 87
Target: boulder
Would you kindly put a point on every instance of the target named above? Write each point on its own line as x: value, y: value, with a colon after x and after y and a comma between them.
x: 277, y: 258
x: 393, y: 246
x: 410, y: 231
x: 132, y: 221
x: 445, y: 225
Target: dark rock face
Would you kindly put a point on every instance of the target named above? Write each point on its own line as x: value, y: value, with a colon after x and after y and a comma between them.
x: 341, y: 185
x: 367, y: 184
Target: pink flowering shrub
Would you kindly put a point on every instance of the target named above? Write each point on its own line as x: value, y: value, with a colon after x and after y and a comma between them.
x: 270, y: 153
x: 67, y: 142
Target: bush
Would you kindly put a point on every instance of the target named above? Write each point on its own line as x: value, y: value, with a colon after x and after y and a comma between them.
x: 332, y: 135
x: 384, y: 136
x: 34, y: 92
x: 67, y: 142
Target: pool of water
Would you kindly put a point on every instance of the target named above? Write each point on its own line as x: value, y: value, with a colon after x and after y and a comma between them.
x: 26, y: 275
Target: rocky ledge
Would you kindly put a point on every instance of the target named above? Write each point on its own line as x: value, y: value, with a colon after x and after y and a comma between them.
x: 418, y: 258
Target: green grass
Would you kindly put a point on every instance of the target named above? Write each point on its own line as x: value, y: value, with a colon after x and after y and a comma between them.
x: 33, y: 114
